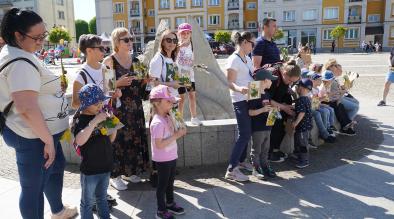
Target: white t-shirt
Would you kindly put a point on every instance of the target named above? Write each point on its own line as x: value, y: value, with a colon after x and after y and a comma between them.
x: 164, y: 69
x: 185, y: 61
x: 22, y: 76
x: 97, y: 75
x: 243, y: 75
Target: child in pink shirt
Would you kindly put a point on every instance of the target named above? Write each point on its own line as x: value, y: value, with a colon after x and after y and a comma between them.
x: 164, y: 150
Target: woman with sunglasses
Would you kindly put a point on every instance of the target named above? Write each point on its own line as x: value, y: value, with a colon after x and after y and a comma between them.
x: 33, y: 91
x: 162, y: 67
x: 239, y: 74
x: 131, y: 156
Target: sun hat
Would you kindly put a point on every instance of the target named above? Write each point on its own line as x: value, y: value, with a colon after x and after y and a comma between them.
x: 184, y: 27
x: 328, y: 76
x: 91, y: 94
x: 306, y: 83
x: 162, y: 92
x: 262, y: 74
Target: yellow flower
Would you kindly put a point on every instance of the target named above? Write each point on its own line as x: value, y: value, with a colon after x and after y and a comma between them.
x: 115, y: 120
x: 103, y: 131
x: 66, y: 136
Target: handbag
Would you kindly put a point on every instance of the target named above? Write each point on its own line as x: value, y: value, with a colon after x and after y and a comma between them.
x: 7, y: 109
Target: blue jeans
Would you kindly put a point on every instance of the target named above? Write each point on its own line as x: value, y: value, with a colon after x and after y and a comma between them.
x: 351, y: 105
x: 320, y: 125
x: 241, y: 110
x: 325, y: 116
x: 34, y: 179
x: 94, y: 190
x: 331, y: 115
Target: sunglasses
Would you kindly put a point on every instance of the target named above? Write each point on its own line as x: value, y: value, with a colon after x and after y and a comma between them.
x: 101, y: 48
x: 251, y: 42
x: 127, y: 40
x: 170, y: 40
x: 37, y: 38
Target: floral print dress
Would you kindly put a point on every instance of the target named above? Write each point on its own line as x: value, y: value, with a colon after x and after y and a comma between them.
x: 131, y: 156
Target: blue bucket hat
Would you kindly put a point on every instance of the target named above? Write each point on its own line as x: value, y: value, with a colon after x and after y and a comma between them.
x: 91, y: 94
x: 315, y: 76
x: 328, y: 76
x: 306, y: 83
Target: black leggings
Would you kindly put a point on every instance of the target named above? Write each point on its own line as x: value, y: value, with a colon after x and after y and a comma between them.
x: 341, y: 114
x: 165, y: 184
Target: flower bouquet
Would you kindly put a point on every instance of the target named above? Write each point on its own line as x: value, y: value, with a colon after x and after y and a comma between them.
x: 63, y: 77
x: 315, y: 102
x: 348, y: 79
x: 141, y: 70
x: 111, y: 124
x: 254, y: 90
x: 273, y: 115
x: 177, y: 119
x: 110, y: 80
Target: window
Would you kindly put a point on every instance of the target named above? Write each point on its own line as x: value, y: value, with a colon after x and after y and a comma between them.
x: 309, y: 15
x: 179, y: 20
x: 252, y: 25
x: 269, y: 0
x: 180, y: 3
x: 60, y: 15
x: 167, y: 20
x: 251, y: 6
x: 196, y: 3
x: 119, y: 24
x: 118, y: 8
x: 330, y: 13
x: 214, y: 20
x: 199, y: 20
x: 326, y: 35
x: 392, y: 32
x: 164, y: 4
x: 289, y: 15
x: 352, y: 33
x: 213, y: 2
x: 392, y: 10
x: 374, y: 18
x: 152, y: 30
x: 60, y: 2
x: 269, y: 14
x: 151, y: 12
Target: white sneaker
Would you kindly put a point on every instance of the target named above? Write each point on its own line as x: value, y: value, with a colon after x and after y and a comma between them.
x: 257, y: 174
x: 132, y: 178
x: 246, y: 166
x: 118, y: 184
x: 236, y: 175
x: 196, y: 121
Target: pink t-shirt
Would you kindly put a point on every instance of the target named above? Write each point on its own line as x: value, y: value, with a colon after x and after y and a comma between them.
x: 162, y: 127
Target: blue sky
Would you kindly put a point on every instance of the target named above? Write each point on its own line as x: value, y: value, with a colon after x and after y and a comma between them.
x: 84, y: 9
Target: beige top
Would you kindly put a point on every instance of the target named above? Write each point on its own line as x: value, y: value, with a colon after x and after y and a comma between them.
x: 22, y: 76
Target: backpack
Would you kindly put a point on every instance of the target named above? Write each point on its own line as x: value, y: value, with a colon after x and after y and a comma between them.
x: 3, y: 115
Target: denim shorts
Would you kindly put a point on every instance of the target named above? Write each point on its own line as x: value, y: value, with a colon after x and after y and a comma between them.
x: 390, y: 77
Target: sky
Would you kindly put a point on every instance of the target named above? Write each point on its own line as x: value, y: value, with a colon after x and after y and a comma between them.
x: 84, y: 9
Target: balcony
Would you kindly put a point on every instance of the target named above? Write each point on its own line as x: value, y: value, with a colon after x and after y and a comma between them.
x: 354, y: 19
x: 233, y: 25
x: 233, y: 5
x: 135, y: 12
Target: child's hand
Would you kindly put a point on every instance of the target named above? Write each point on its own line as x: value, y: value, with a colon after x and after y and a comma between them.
x: 293, y: 125
x: 244, y: 90
x: 100, y: 117
x: 181, y: 132
x: 117, y: 94
x: 267, y: 108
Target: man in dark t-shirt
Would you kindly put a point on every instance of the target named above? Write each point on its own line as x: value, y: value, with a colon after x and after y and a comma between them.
x: 266, y: 51
x: 389, y: 80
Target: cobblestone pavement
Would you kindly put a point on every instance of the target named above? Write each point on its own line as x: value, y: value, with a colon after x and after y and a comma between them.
x: 372, y: 69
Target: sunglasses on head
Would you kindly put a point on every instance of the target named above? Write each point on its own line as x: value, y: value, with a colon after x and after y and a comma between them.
x: 170, y: 40
x: 101, y: 48
x: 127, y: 39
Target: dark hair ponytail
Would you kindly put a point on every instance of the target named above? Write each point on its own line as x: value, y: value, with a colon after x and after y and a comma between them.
x: 17, y: 20
x: 237, y: 38
x: 292, y: 69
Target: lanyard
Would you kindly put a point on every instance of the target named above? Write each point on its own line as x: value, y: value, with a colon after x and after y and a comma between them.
x: 246, y: 63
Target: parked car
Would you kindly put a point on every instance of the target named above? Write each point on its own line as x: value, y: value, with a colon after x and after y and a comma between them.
x: 221, y: 49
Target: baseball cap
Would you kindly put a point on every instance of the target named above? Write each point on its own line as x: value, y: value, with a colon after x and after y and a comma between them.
x: 304, y: 73
x: 91, y: 94
x: 262, y: 74
x: 315, y: 76
x: 306, y: 83
x: 162, y: 92
x: 328, y: 75
x: 184, y: 27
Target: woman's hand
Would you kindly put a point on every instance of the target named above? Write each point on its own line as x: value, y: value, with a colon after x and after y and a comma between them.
x: 243, y: 90
x: 124, y: 81
x: 288, y: 110
x: 49, y: 153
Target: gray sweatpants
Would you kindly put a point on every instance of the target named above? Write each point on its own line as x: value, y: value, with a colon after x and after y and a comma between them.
x: 260, y: 147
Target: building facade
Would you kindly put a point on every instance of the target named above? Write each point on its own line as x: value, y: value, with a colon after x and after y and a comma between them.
x: 55, y: 13
x: 302, y: 21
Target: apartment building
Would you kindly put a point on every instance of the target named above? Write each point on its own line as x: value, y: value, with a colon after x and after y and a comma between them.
x: 55, y: 13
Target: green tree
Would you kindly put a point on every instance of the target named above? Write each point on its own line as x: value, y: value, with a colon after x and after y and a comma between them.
x: 222, y: 36
x: 58, y: 33
x: 338, y: 32
x: 92, y: 26
x: 81, y: 27
x: 278, y: 34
